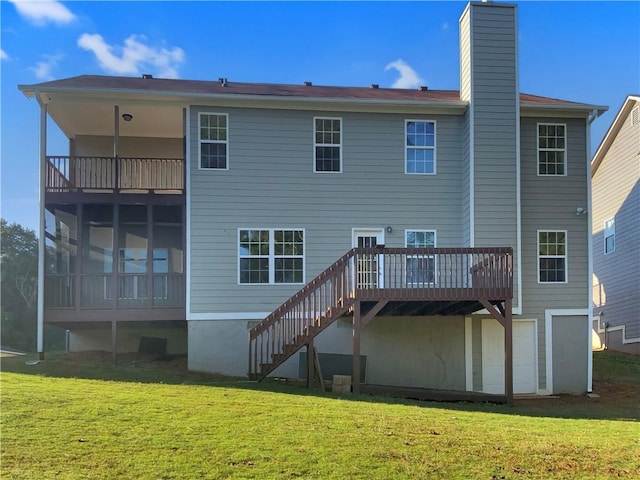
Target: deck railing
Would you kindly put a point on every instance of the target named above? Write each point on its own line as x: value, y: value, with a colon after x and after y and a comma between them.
x: 366, y: 274
x: 78, y: 174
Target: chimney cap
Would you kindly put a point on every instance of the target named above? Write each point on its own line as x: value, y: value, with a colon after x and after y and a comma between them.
x: 308, y: 84
x: 424, y: 88
x: 375, y: 85
x: 147, y: 76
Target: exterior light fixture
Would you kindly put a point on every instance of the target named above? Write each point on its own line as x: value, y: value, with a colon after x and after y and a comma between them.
x: 127, y: 117
x: 580, y: 211
x: 389, y: 229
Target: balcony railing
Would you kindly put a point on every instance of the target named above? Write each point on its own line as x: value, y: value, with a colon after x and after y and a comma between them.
x: 114, y: 174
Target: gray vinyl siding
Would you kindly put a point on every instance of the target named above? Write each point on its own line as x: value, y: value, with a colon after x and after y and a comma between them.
x: 494, y: 118
x: 616, y: 193
x: 549, y: 203
x: 270, y: 184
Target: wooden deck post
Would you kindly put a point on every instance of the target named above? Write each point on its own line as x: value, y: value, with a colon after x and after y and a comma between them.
x: 356, y: 348
x: 508, y: 350
x: 311, y: 362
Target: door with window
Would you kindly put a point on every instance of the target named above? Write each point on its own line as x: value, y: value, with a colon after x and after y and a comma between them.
x: 369, y: 267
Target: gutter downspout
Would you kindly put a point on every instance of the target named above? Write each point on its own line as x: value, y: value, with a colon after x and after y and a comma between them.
x: 41, y: 224
x: 590, y: 119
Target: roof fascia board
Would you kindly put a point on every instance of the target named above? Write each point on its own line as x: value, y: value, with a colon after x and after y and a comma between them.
x: 528, y: 109
x: 454, y: 107
x: 612, y: 132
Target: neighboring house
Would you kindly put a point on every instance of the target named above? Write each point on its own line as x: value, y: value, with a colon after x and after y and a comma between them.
x: 615, y: 178
x: 452, y: 215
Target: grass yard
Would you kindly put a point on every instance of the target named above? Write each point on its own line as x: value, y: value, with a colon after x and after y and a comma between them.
x: 152, y: 420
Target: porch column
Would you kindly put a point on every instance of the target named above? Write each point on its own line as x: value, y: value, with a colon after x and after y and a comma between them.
x: 355, y: 383
x: 116, y: 130
x: 41, y: 225
x: 114, y: 340
x: 508, y: 350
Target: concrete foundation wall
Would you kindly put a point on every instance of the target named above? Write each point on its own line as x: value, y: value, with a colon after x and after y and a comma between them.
x: 83, y: 340
x: 409, y: 351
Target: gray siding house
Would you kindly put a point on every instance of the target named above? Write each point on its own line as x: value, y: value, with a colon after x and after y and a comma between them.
x: 615, y: 171
x: 433, y: 239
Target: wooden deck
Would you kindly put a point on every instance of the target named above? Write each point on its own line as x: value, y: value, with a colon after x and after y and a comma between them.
x: 367, y: 282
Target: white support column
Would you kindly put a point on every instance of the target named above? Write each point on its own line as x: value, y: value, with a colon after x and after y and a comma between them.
x: 41, y: 225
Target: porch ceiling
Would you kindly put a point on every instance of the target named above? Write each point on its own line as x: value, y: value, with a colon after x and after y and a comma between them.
x: 96, y: 117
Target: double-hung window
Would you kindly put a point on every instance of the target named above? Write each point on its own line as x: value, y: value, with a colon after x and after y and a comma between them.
x: 420, y: 147
x: 421, y: 269
x: 214, y: 141
x: 610, y: 235
x: 327, y: 145
x: 552, y: 256
x: 552, y: 149
x: 271, y: 256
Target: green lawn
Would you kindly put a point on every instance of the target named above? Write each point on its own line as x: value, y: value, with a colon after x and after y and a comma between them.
x: 136, y: 422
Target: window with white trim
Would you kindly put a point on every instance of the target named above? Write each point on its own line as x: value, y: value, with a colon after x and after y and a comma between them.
x: 552, y: 149
x: 214, y: 138
x: 420, y: 269
x: 420, y: 147
x: 271, y: 256
x: 327, y: 145
x: 610, y: 235
x: 552, y: 256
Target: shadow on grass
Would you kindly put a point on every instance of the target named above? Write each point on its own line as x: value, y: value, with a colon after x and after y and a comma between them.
x: 615, y: 380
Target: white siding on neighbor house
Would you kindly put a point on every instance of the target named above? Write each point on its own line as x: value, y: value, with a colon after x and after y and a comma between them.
x: 137, y: 147
x: 550, y: 203
x: 616, y: 193
x: 270, y: 184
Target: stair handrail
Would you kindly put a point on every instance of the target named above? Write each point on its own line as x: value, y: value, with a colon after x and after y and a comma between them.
x: 300, y: 294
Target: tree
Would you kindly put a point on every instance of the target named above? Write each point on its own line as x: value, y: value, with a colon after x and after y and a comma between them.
x: 19, y: 285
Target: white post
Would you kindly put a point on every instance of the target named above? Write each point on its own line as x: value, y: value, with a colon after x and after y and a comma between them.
x: 41, y: 225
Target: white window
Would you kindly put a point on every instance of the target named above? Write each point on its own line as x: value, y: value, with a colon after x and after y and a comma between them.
x: 552, y: 256
x: 213, y: 136
x: 270, y: 256
x: 610, y: 235
x: 552, y: 149
x: 421, y: 269
x: 327, y: 145
x: 420, y: 147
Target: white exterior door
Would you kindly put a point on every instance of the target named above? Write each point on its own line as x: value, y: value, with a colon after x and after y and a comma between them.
x: 524, y: 357
x: 369, y: 271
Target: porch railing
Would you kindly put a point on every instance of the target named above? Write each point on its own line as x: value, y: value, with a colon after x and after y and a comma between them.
x: 366, y: 274
x: 114, y: 291
x: 76, y: 174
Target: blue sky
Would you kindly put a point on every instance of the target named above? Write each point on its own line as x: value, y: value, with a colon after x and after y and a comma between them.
x: 581, y: 51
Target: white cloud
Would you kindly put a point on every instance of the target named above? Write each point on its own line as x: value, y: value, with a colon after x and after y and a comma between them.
x: 3, y: 55
x: 133, y: 56
x: 43, y: 68
x: 40, y: 12
x: 408, y: 76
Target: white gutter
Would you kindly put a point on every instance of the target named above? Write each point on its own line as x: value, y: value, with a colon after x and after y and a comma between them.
x: 592, y: 116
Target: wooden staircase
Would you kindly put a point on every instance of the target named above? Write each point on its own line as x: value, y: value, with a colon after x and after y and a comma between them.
x: 460, y: 280
x: 296, y: 322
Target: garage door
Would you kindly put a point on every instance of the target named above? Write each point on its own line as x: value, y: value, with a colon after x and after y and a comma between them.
x: 524, y: 356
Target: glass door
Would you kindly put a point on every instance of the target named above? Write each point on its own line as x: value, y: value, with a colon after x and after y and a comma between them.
x: 369, y: 266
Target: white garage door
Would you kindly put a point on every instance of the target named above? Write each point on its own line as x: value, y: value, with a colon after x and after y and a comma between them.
x: 524, y: 356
